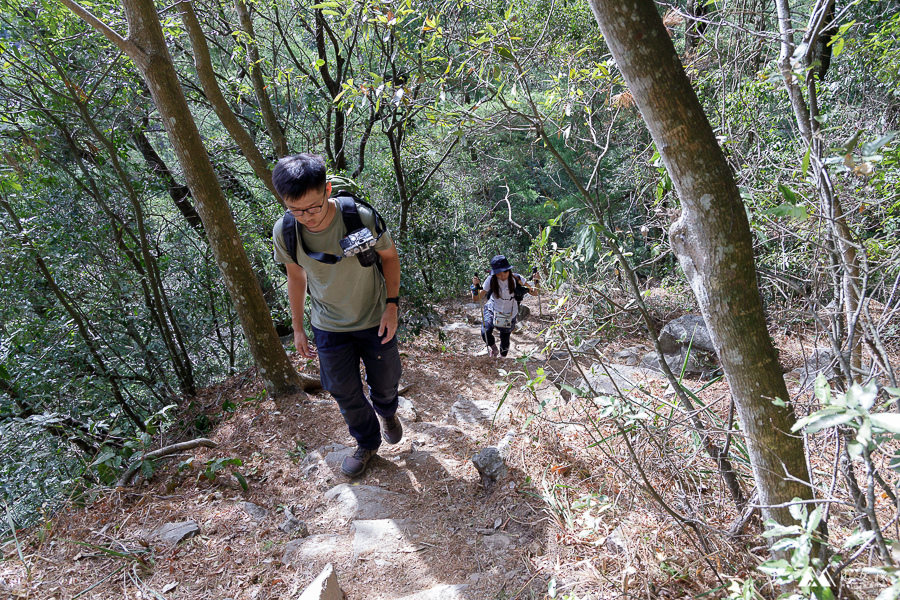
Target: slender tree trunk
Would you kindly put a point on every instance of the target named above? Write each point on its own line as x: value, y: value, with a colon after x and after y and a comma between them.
x: 259, y: 85
x: 806, y: 116
x: 207, y: 77
x: 712, y: 240
x: 181, y: 361
x: 694, y: 29
x: 146, y: 46
x: 180, y: 194
x: 337, y: 152
x: 395, y: 139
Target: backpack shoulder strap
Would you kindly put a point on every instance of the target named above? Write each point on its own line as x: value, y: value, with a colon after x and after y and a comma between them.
x: 350, y: 212
x: 289, y: 234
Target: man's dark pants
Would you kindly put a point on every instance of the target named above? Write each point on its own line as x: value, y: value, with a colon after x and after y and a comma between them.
x: 339, y: 356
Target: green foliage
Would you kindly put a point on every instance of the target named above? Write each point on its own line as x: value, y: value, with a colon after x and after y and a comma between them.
x: 853, y: 409
x: 803, y: 570
x: 214, y: 465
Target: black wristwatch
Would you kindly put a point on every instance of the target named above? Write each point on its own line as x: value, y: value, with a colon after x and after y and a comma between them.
x: 394, y: 300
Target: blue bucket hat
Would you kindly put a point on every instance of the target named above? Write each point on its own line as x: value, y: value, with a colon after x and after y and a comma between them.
x: 499, y: 264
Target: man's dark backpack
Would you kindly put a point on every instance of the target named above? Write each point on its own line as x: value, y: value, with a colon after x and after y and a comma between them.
x: 349, y: 213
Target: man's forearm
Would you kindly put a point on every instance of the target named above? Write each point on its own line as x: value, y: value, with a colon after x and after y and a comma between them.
x: 390, y: 265
x: 296, y: 289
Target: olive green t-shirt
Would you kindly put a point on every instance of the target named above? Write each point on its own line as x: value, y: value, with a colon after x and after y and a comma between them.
x: 344, y: 296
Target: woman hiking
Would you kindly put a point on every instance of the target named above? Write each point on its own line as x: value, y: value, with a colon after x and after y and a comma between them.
x: 501, y: 309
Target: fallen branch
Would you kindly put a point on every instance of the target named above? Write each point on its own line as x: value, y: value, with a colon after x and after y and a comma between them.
x: 163, y: 453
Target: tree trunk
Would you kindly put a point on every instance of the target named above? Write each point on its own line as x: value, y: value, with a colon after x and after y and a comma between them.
x: 146, y: 46
x: 807, y: 118
x: 337, y: 153
x: 180, y: 194
x: 207, y: 77
x: 395, y: 138
x: 259, y: 85
x: 713, y: 243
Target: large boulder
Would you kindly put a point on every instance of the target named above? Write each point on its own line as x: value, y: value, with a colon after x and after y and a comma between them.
x: 695, y: 364
x: 689, y: 330
x: 821, y: 360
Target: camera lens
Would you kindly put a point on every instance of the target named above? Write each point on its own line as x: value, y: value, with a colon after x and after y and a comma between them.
x: 367, y: 257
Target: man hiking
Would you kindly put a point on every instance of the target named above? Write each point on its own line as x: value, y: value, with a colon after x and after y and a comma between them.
x: 333, y: 249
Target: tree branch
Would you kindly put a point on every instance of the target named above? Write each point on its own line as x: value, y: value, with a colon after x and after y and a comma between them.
x: 162, y: 453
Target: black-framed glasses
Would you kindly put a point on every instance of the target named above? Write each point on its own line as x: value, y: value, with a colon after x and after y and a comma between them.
x: 299, y: 212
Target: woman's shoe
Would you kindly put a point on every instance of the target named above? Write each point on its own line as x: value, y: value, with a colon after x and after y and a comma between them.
x: 493, y: 352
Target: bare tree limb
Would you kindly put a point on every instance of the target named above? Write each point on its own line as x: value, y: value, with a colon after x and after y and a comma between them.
x: 163, y: 453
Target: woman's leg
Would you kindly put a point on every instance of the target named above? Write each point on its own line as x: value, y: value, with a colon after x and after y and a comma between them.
x: 487, y: 326
x: 504, y: 340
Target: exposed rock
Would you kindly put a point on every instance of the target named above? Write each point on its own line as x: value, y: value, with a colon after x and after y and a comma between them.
x: 497, y: 543
x: 459, y: 327
x: 406, y: 410
x: 821, y: 360
x: 693, y: 366
x: 490, y: 465
x: 562, y: 290
x: 327, y: 458
x: 491, y: 461
x: 438, y: 434
x: 629, y: 356
x: 256, y: 512
x: 363, y: 501
x: 587, y: 346
x: 175, y: 533
x: 420, y: 460
x: 323, y: 587
x: 293, y: 526
x: 524, y: 313
x: 625, y: 378
x: 381, y: 538
x: 478, y: 412
x: 616, y: 541
x: 440, y: 592
x: 314, y: 547
x: 334, y: 454
x: 683, y: 331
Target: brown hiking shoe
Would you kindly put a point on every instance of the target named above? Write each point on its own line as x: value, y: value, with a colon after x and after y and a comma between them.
x: 391, y: 429
x: 355, y: 465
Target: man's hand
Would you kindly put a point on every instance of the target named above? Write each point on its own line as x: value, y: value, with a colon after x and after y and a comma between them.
x: 388, y: 325
x: 301, y: 342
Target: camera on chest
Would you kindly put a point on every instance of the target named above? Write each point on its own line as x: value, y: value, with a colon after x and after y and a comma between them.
x: 360, y: 243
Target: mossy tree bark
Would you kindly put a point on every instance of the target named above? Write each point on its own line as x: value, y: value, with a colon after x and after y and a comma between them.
x: 145, y: 44
x: 713, y: 243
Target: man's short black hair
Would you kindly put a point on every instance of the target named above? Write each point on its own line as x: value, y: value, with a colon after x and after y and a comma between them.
x: 295, y: 175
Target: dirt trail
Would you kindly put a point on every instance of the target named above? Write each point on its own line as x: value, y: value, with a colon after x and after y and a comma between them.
x: 418, y: 522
